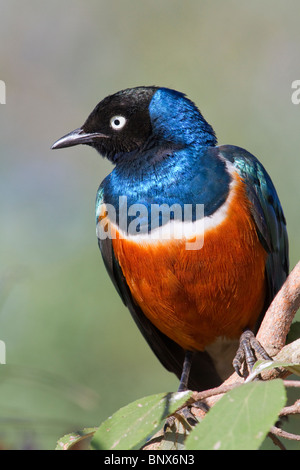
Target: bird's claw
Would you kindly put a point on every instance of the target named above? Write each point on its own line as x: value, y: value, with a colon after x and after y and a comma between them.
x: 249, y: 346
x: 184, y: 415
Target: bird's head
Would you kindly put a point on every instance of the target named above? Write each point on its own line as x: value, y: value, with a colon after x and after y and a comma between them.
x: 139, y: 118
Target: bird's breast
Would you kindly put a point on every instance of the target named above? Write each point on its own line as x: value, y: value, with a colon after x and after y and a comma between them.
x: 201, y: 283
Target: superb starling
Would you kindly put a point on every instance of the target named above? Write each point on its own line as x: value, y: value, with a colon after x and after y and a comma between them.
x: 192, y: 234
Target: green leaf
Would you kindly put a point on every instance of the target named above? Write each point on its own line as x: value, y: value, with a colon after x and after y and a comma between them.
x: 79, y: 440
x: 263, y: 365
x: 241, y: 419
x: 132, y: 424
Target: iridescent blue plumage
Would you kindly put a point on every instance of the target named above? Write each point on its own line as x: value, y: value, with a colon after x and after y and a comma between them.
x: 164, y: 181
x: 177, y: 120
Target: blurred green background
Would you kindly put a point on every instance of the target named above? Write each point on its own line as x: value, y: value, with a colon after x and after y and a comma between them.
x: 74, y: 355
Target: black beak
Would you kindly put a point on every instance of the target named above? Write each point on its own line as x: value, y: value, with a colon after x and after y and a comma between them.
x: 79, y: 136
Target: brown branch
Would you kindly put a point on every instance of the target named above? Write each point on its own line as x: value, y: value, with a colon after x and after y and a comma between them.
x: 278, y: 319
x: 287, y: 435
x: 199, y: 396
x: 217, y: 392
x: 291, y: 383
x: 291, y: 410
x: 276, y: 441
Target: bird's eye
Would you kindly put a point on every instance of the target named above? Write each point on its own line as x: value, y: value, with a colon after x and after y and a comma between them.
x: 117, y: 122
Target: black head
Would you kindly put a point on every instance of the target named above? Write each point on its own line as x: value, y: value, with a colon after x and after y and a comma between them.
x: 119, y: 124
x: 138, y: 118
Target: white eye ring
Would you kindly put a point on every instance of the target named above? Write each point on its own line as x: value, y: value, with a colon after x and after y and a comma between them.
x: 118, y: 122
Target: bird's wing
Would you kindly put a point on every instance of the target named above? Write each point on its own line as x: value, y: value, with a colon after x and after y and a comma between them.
x: 267, y: 214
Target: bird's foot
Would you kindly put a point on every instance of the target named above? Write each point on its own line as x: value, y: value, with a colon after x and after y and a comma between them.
x: 185, y: 416
x: 249, y: 346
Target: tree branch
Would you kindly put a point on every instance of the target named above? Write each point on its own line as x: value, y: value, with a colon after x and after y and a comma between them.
x: 287, y: 435
x: 279, y: 316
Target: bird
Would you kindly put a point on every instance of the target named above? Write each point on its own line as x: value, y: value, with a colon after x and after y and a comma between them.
x: 192, y: 233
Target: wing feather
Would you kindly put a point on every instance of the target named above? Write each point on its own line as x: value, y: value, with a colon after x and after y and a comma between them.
x: 267, y: 213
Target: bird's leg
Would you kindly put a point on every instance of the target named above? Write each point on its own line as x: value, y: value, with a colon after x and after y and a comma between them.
x: 245, y: 353
x: 186, y: 368
x: 183, y: 385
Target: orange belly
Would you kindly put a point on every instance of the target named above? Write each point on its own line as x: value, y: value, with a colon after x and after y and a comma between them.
x: 195, y: 296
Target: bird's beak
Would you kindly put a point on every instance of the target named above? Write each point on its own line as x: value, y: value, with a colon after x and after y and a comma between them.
x: 79, y: 136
